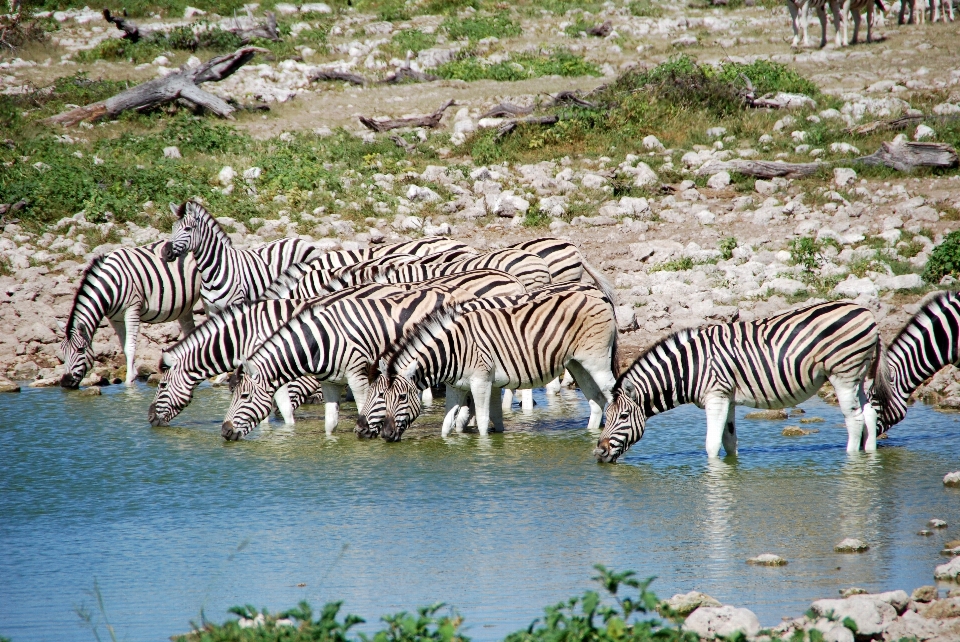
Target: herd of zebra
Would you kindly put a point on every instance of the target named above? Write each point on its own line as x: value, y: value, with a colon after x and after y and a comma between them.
x: 911, y: 11
x: 288, y: 323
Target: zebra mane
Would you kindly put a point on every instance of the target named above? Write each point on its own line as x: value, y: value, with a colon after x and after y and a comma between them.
x: 94, y: 266
x: 203, y: 215
x: 432, y: 325
x: 935, y: 300
x: 679, y: 337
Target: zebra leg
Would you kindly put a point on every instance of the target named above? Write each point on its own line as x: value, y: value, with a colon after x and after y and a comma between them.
x: 567, y: 379
x: 729, y: 438
x: 426, y: 397
x: 869, y: 440
x: 526, y: 399
x: 848, y: 396
x: 507, y: 403
x: 331, y: 398
x: 718, y: 409
x: 822, y: 16
x: 496, y: 410
x: 855, y: 16
x: 282, y: 398
x: 455, y: 401
x: 553, y: 387
x: 131, y: 321
x: 592, y: 391
x: 483, y: 396
x: 794, y: 22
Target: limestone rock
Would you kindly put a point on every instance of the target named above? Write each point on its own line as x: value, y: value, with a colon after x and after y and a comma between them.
x: 948, y: 571
x: 853, y: 287
x: 843, y: 176
x: 92, y: 391
x: 652, y: 143
x: 719, y: 180
x: 941, y: 609
x: 872, y: 616
x: 626, y: 318
x: 767, y: 559
x: 851, y: 545
x: 952, y: 479
x: 687, y: 603
x: 797, y: 431
x: 171, y: 152
x: 710, y: 622
x: 937, y: 523
x: 8, y: 386
x: 45, y: 383
x: 776, y: 414
x: 924, y: 594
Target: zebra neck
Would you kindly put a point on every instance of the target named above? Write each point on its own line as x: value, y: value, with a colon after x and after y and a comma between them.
x: 663, y: 377
x: 90, y: 306
x: 212, y: 246
x: 920, y: 351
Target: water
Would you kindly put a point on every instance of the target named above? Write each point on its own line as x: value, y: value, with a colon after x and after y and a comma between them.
x: 173, y: 521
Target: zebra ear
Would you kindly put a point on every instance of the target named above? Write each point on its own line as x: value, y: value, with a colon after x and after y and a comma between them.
x: 628, y: 387
x: 410, y: 371
x: 382, y: 365
x: 62, y: 326
x: 175, y: 209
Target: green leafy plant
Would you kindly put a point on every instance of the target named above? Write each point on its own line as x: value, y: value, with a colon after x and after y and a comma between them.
x: 674, y: 265
x: 806, y: 252
x: 727, y: 246
x: 560, y: 62
x: 410, y: 40
x: 645, y: 9
x: 944, y: 260
x: 500, y: 25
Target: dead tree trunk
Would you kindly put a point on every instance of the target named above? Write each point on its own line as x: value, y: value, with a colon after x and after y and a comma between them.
x: 431, y: 120
x: 508, y: 126
x: 182, y: 84
x: 322, y: 74
x: 507, y: 110
x: 129, y: 28
x: 762, y: 169
x: 906, y: 156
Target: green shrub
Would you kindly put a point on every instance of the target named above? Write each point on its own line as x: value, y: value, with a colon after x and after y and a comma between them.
x: 806, y: 252
x: 674, y: 265
x: 410, y: 40
x: 501, y: 25
x: 944, y: 260
x: 645, y: 9
x: 560, y: 62
x: 727, y: 246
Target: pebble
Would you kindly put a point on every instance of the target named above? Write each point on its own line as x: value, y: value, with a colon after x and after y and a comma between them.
x: 797, y: 431
x: 767, y: 559
x: 952, y: 479
x: 937, y: 523
x: 92, y: 391
x: 773, y: 415
x: 851, y: 545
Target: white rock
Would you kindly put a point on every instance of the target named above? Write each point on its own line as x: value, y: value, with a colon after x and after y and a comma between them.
x: 902, y: 282
x: 285, y: 8
x: 786, y: 286
x: 767, y: 559
x: 709, y: 622
x: 425, y: 194
x: 556, y: 226
x: 946, y: 109
x: 171, y: 152
x: 190, y: 12
x: 226, y: 176
x: 411, y: 223
x: 162, y: 61
x: 626, y: 318
x: 952, y: 479
x: 719, y: 180
x: 652, y: 143
x: 706, y: 217
x: 685, y: 603
x: 923, y: 133
x: 315, y: 7
x: 764, y: 187
x: 252, y: 173
x: 872, y: 616
x: 593, y: 181
x: 193, y: 62
x: 799, y: 136
x: 716, y: 132
x: 643, y: 175
x: 657, y: 251
x: 634, y: 206
x: 843, y: 176
x: 851, y: 545
x: 853, y: 287
x: 843, y: 148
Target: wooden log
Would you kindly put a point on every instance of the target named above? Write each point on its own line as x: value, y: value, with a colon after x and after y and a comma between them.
x: 404, y: 145
x: 182, y: 84
x: 907, y: 156
x: 323, y: 74
x: 129, y: 28
x: 570, y: 98
x: 761, y: 169
x: 510, y: 125
x: 430, y: 120
x: 893, y: 124
x: 405, y: 74
x: 507, y: 110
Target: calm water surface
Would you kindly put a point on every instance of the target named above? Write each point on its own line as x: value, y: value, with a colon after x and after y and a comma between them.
x: 173, y: 521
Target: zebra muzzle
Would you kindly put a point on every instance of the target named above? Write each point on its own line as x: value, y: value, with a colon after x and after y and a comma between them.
x: 152, y: 416
x: 69, y: 381
x: 228, y: 432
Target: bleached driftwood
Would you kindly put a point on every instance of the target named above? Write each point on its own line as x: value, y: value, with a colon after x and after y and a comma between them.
x: 570, y: 98
x: 265, y: 30
x: 894, y: 124
x: 326, y: 74
x: 430, y: 120
x: 507, y: 110
x: 508, y: 126
x: 903, y: 157
x: 181, y: 84
x: 405, y: 74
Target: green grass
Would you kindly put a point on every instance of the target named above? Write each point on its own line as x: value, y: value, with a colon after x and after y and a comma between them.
x: 645, y: 9
x: 675, y: 265
x: 410, y: 40
x: 559, y: 62
x: 944, y: 260
x: 500, y: 25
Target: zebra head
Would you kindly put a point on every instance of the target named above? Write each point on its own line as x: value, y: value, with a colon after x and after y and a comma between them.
x: 625, y: 422
x: 402, y: 399
x: 77, y: 359
x: 251, y: 403
x: 173, y: 393
x: 182, y: 239
x: 371, y: 419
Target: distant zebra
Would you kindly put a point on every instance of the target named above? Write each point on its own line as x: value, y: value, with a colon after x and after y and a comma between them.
x: 339, y: 343
x: 774, y: 362
x: 228, y: 275
x: 528, y: 268
x: 217, y: 346
x: 419, y: 247
x: 127, y: 286
x: 799, y: 12
x: 566, y: 263
x: 929, y: 341
x: 851, y: 9
x: 479, y: 352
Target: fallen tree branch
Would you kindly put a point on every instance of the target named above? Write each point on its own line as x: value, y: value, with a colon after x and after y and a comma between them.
x: 570, y: 98
x: 129, y: 28
x: 507, y: 110
x: 323, y: 74
x: 894, y: 124
x: 182, y: 84
x: 405, y: 74
x: 404, y: 145
x: 510, y: 125
x: 431, y: 120
x: 761, y: 169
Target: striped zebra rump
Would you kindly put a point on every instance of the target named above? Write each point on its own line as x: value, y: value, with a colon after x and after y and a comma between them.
x: 126, y: 283
x: 482, y: 350
x: 774, y: 362
x: 337, y: 343
x: 565, y: 262
x: 306, y: 280
x: 927, y: 343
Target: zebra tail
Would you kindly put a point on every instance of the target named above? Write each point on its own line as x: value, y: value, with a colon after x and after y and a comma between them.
x: 605, y: 286
x: 883, y: 393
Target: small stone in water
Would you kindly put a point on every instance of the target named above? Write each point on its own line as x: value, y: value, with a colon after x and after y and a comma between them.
x: 812, y: 420
x: 797, y: 431
x: 851, y: 545
x: 937, y: 523
x: 853, y: 590
x: 780, y: 413
x: 952, y: 479
x: 924, y: 594
x: 767, y: 559
x: 925, y: 533
x: 796, y: 412
x: 686, y: 603
x: 92, y: 391
x: 951, y: 548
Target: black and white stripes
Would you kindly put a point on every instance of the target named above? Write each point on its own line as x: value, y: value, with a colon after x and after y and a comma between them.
x: 775, y: 362
x: 128, y: 286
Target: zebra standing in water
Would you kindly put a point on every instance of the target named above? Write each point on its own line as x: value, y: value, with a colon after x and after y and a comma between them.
x: 775, y: 362
x: 929, y: 341
x: 228, y: 275
x: 480, y: 351
x: 338, y: 343
x: 127, y: 286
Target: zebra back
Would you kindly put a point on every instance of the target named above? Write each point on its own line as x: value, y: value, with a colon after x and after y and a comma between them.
x: 566, y: 263
x: 421, y: 247
x: 306, y: 280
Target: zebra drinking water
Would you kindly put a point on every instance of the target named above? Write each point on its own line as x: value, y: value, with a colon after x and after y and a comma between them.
x: 774, y: 362
x: 478, y: 350
x: 228, y: 275
x: 339, y: 342
x: 128, y: 286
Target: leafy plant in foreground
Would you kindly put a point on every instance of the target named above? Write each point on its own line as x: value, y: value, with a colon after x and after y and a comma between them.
x: 944, y: 260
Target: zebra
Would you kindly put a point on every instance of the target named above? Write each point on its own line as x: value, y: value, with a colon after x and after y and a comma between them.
x: 479, y: 351
x: 799, y: 12
x: 529, y: 268
x: 228, y: 275
x: 128, y: 286
x: 566, y: 263
x: 419, y: 247
x: 929, y: 341
x: 917, y: 12
x: 852, y: 8
x: 774, y: 362
x: 339, y: 343
x: 217, y: 346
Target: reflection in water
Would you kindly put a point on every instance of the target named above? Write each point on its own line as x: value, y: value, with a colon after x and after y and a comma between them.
x: 498, y: 526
